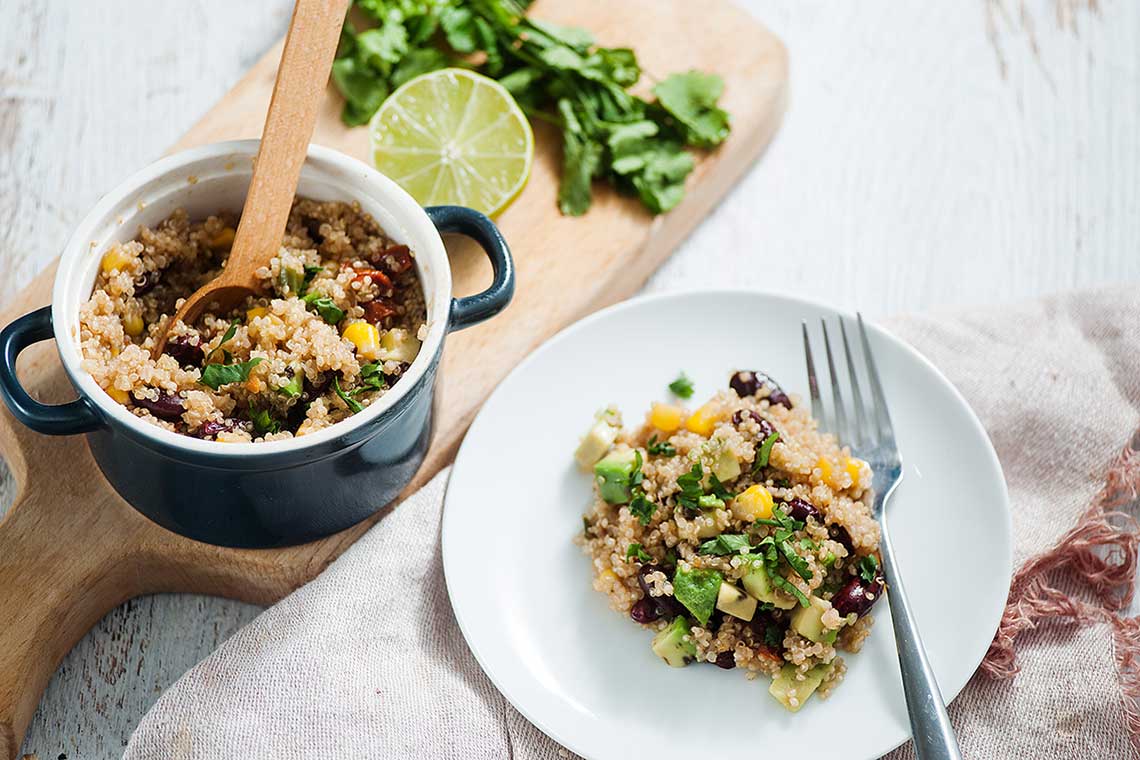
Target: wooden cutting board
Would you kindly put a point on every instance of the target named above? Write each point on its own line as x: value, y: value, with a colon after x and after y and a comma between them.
x: 71, y: 549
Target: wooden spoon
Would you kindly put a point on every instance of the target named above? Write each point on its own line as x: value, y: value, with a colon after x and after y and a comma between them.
x: 301, y: 79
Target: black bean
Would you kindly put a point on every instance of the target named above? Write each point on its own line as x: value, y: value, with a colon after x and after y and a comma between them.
x: 747, y: 383
x: 313, y: 227
x: 644, y: 571
x: 801, y: 509
x: 666, y: 606
x: 392, y: 377
x: 644, y: 611
x: 211, y: 428
x: 857, y: 596
x: 146, y: 282
x: 167, y: 406
x: 311, y: 390
x: 766, y: 428
x: 840, y: 534
x: 185, y: 352
x: 777, y: 396
x: 726, y: 660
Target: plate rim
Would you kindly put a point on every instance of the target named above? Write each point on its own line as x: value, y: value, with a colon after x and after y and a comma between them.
x: 640, y: 300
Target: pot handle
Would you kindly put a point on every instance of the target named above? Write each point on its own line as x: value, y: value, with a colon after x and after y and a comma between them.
x: 77, y: 416
x: 471, y: 310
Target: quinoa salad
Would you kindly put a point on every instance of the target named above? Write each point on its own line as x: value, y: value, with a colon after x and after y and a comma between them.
x: 340, y: 317
x: 738, y: 533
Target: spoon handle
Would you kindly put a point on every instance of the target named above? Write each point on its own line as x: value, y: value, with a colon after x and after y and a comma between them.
x: 305, y: 64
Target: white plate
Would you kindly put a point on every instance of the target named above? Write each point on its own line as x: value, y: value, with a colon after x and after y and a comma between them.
x: 586, y: 675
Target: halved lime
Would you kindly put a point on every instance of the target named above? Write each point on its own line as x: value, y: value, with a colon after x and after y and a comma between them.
x: 454, y: 137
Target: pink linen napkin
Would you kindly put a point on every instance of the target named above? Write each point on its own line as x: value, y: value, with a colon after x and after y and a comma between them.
x: 367, y: 661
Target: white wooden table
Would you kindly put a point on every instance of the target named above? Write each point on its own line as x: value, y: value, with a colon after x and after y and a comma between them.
x: 927, y: 162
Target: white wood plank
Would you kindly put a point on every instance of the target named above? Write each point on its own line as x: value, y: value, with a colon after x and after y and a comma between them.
x: 910, y: 174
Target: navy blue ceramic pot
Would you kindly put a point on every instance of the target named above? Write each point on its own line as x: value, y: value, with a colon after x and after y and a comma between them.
x: 255, y: 494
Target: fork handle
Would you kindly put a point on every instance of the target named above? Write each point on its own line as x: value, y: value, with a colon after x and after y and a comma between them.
x: 929, y: 723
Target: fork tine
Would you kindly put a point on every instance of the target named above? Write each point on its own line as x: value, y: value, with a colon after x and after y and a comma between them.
x: 840, y: 428
x: 882, y: 414
x: 817, y: 410
x: 861, y: 434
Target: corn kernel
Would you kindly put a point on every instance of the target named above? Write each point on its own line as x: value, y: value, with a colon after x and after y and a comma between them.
x: 255, y: 312
x: 253, y: 385
x: 115, y: 259
x: 609, y: 576
x: 853, y: 468
x: 365, y: 337
x: 133, y: 324
x: 119, y: 395
x: 704, y: 420
x: 754, y: 503
x: 223, y: 239
x: 826, y: 471
x: 665, y: 418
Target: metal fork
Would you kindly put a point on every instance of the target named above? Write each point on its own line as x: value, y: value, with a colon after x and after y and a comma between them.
x: 872, y: 438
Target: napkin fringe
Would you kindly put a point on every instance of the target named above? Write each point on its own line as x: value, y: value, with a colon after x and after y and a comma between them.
x: 1100, y: 553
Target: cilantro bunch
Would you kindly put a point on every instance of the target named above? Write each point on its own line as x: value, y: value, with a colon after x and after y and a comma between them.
x: 558, y: 75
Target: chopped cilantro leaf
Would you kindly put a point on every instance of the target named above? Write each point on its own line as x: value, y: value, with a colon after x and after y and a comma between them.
x: 763, y: 452
x: 325, y: 306
x: 691, y: 490
x: 263, y: 422
x: 311, y: 271
x: 773, y: 636
x: 636, y: 476
x: 869, y: 568
x: 682, y: 387
x: 725, y: 543
x: 353, y: 405
x: 230, y: 331
x: 787, y: 586
x: 716, y: 488
x: 217, y: 375
x: 641, y: 507
x: 798, y: 563
x: 664, y: 448
x: 634, y: 551
x: 371, y: 378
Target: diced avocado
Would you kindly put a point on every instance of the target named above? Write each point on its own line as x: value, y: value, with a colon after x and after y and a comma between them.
x: 296, y: 385
x: 808, y: 621
x: 595, y: 444
x: 759, y: 585
x: 671, y: 645
x: 732, y: 601
x: 793, y: 693
x: 726, y: 468
x: 613, y: 474
x: 709, y: 522
x: 399, y: 345
x: 697, y: 589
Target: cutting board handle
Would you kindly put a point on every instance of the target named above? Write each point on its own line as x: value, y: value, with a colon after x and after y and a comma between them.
x: 54, y: 586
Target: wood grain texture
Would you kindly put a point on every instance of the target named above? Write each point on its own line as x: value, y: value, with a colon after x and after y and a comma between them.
x: 607, y: 256
x: 910, y: 174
